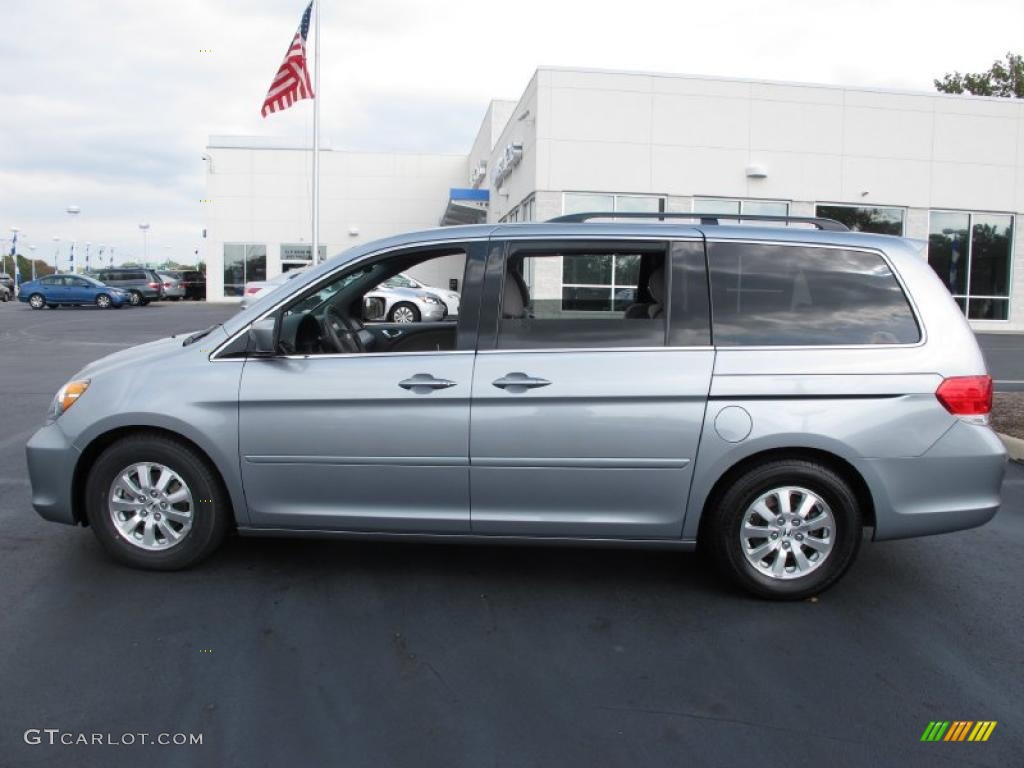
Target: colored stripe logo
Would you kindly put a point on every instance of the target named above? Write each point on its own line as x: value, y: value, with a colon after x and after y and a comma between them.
x: 958, y: 730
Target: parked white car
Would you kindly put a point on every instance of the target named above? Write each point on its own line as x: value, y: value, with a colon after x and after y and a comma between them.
x: 257, y: 288
x: 449, y: 298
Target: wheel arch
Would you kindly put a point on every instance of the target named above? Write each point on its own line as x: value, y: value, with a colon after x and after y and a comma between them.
x: 836, y: 463
x: 98, y: 444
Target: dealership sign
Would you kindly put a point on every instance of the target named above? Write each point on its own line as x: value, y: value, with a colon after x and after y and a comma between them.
x: 506, y: 163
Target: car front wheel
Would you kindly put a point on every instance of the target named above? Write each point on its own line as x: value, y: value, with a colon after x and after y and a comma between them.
x: 786, y: 529
x: 36, y: 301
x: 404, y: 313
x: 156, y: 503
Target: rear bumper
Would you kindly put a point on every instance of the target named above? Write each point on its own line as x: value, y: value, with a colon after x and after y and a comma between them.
x: 51, y: 467
x: 955, y: 485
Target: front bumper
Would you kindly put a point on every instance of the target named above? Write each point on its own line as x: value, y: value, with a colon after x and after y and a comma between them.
x: 51, y: 468
x: 954, y: 485
x: 431, y: 313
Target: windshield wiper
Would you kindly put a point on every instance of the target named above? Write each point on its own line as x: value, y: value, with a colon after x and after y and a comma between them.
x: 199, y: 335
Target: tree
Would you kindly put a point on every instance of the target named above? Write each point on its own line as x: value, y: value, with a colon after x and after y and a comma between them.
x: 1002, y: 79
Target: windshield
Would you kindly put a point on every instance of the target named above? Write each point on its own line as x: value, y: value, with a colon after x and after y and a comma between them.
x: 401, y: 281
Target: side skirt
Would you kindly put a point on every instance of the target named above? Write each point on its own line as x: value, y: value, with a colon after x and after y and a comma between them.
x: 680, y: 545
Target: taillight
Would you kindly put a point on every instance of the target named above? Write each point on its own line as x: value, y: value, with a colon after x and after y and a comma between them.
x: 251, y: 290
x: 154, y: 285
x: 167, y: 285
x: 966, y: 395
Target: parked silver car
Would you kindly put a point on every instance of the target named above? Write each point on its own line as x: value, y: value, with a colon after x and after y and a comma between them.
x: 766, y: 393
x: 173, y: 289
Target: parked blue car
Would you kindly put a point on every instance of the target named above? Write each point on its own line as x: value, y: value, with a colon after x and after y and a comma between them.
x: 54, y: 290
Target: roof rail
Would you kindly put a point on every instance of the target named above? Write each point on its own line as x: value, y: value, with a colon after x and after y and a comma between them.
x: 705, y: 218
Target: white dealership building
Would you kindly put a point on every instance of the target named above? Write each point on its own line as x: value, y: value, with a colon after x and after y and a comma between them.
x: 946, y: 170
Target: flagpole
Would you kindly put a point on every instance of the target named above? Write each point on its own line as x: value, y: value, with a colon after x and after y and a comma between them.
x: 316, y: 135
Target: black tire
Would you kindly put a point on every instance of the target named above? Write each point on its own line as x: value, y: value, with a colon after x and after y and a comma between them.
x: 721, y: 534
x: 37, y: 301
x: 103, y: 301
x: 135, y: 298
x: 404, y: 305
x: 211, y: 518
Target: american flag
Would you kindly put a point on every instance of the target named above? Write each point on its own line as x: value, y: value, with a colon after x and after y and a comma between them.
x: 291, y: 83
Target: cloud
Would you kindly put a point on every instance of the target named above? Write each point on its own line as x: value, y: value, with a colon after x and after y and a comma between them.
x: 109, y: 105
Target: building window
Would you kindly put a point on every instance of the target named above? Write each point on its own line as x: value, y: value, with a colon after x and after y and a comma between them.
x: 243, y: 263
x: 881, y: 221
x: 590, y: 202
x: 971, y: 254
x: 723, y: 206
x: 600, y: 283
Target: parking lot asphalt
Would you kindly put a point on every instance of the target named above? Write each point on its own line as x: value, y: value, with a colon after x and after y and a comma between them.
x: 309, y: 653
x: 1004, y: 354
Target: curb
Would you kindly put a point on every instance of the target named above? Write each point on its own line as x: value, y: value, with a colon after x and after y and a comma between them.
x: 1014, y: 446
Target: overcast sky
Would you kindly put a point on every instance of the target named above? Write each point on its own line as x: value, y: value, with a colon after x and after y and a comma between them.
x: 108, y: 104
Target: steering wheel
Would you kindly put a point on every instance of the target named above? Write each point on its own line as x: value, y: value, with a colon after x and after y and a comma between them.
x: 340, y: 333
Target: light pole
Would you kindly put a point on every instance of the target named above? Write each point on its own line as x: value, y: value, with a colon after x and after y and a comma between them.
x: 14, y: 258
x: 144, y: 226
x: 111, y: 255
x: 87, y: 256
x: 32, y: 255
x: 56, y: 254
x: 73, y: 211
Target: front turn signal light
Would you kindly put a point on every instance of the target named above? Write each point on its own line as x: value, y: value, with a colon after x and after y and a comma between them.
x: 69, y: 394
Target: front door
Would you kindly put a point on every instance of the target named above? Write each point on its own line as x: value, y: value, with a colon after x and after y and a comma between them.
x: 370, y: 438
x: 589, y: 396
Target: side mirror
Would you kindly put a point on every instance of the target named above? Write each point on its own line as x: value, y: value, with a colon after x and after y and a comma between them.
x: 262, y: 342
x: 373, y: 308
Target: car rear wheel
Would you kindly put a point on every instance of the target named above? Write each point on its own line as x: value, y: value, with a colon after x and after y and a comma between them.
x: 404, y: 312
x: 786, y: 529
x: 36, y: 301
x: 135, y: 298
x: 156, y: 503
x: 103, y: 301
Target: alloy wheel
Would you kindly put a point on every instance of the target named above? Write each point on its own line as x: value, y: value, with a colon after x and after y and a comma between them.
x: 403, y: 315
x: 787, y: 532
x: 151, y: 506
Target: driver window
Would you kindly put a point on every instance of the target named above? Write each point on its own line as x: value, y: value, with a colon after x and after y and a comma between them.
x: 404, y: 303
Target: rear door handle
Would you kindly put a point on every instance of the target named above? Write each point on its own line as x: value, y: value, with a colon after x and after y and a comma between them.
x: 518, y: 383
x: 424, y: 384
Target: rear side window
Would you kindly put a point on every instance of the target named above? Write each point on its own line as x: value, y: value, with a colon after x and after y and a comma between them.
x: 783, y: 295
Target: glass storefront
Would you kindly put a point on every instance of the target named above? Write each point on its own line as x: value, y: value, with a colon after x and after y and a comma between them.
x: 971, y: 254
x: 724, y: 206
x: 243, y: 263
x: 881, y: 221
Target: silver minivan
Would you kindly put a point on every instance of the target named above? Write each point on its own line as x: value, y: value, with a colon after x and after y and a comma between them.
x: 764, y: 392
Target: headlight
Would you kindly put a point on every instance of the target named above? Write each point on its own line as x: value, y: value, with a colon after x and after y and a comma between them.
x: 68, y: 396
x: 431, y: 300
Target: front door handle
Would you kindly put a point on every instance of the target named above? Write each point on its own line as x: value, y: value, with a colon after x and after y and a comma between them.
x: 517, y: 383
x: 424, y: 384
